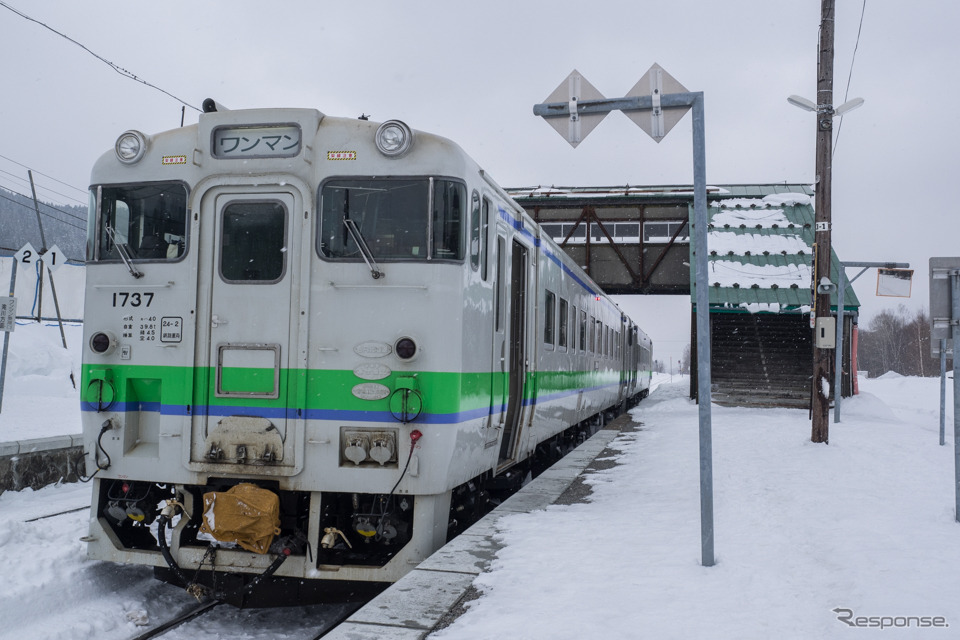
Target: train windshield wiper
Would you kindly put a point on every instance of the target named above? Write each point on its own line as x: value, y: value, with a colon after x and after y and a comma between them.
x: 364, y: 249
x: 124, y: 254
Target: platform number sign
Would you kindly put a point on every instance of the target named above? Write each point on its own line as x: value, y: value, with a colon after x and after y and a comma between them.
x: 27, y: 255
x: 53, y: 259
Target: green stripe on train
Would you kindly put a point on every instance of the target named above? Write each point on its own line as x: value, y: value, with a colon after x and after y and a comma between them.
x: 311, y: 389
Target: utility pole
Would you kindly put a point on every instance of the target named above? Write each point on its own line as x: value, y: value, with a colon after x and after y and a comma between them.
x: 820, y: 409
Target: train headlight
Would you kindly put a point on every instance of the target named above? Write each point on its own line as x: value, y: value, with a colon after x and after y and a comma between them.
x: 130, y: 146
x: 394, y: 138
x: 103, y: 343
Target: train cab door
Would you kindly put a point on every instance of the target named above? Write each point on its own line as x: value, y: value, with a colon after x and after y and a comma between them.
x: 249, y: 326
x: 515, y: 349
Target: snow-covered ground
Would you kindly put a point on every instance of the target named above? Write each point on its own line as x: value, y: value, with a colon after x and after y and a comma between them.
x: 861, y: 529
x: 864, y: 525
x: 39, y: 398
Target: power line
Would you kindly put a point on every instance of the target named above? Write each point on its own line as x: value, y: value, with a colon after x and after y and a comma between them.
x: 43, y: 204
x: 20, y: 164
x: 55, y: 219
x: 863, y: 10
x: 60, y: 220
x: 39, y: 187
x: 125, y: 73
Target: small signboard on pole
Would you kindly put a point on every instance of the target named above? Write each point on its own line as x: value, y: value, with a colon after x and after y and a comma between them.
x: 895, y: 283
x: 8, y: 314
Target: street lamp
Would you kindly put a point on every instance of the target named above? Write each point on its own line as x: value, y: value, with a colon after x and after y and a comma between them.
x: 806, y: 105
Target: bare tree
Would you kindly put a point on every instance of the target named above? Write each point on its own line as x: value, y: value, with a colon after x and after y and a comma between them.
x: 897, y: 341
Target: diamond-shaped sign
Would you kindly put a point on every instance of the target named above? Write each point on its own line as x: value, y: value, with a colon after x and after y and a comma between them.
x: 575, y: 126
x: 54, y: 258
x: 658, y: 122
x: 26, y: 255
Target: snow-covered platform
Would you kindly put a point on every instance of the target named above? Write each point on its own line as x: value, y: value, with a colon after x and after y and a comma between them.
x: 433, y: 594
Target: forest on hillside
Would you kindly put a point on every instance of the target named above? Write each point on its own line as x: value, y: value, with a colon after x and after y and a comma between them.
x: 63, y: 225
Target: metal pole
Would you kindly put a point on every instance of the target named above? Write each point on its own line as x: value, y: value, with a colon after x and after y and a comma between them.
x: 955, y: 322
x: 838, y: 360
x: 36, y: 207
x: 943, y: 389
x: 6, y: 334
x: 703, y: 332
x: 56, y: 305
x: 43, y: 248
x: 43, y: 251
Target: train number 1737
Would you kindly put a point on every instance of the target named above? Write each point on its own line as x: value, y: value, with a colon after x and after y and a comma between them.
x: 134, y: 299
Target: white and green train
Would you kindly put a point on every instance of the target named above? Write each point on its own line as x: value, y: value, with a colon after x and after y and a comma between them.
x: 349, y: 319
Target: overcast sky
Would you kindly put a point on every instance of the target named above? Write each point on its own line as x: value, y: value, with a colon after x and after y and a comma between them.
x: 473, y: 71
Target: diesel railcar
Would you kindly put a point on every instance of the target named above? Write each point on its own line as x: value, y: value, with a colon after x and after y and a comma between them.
x: 315, y: 346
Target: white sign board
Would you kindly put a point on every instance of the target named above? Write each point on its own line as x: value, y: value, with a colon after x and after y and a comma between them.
x: 895, y: 283
x: 8, y: 314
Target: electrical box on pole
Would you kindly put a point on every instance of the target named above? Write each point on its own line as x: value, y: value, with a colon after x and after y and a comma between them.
x: 826, y: 333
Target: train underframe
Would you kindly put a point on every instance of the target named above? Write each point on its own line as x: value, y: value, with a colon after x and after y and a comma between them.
x: 338, y: 544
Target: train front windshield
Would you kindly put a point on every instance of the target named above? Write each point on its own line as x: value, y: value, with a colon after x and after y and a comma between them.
x: 138, y: 222
x: 398, y: 219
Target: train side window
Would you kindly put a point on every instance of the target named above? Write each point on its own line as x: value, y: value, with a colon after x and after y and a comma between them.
x: 475, y: 227
x: 485, y: 235
x: 592, y: 340
x: 145, y: 222
x: 252, y: 241
x: 549, y: 320
x: 573, y: 328
x: 498, y: 285
x: 583, y: 331
x: 562, y: 315
x: 449, y: 202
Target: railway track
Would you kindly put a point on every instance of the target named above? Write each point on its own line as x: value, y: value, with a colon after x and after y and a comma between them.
x: 58, y: 513
x: 282, y: 623
x: 175, y: 622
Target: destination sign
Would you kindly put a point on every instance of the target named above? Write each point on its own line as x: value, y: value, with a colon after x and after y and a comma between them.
x: 273, y: 141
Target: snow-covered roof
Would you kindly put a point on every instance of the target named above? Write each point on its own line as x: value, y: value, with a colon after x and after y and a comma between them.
x: 761, y: 252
